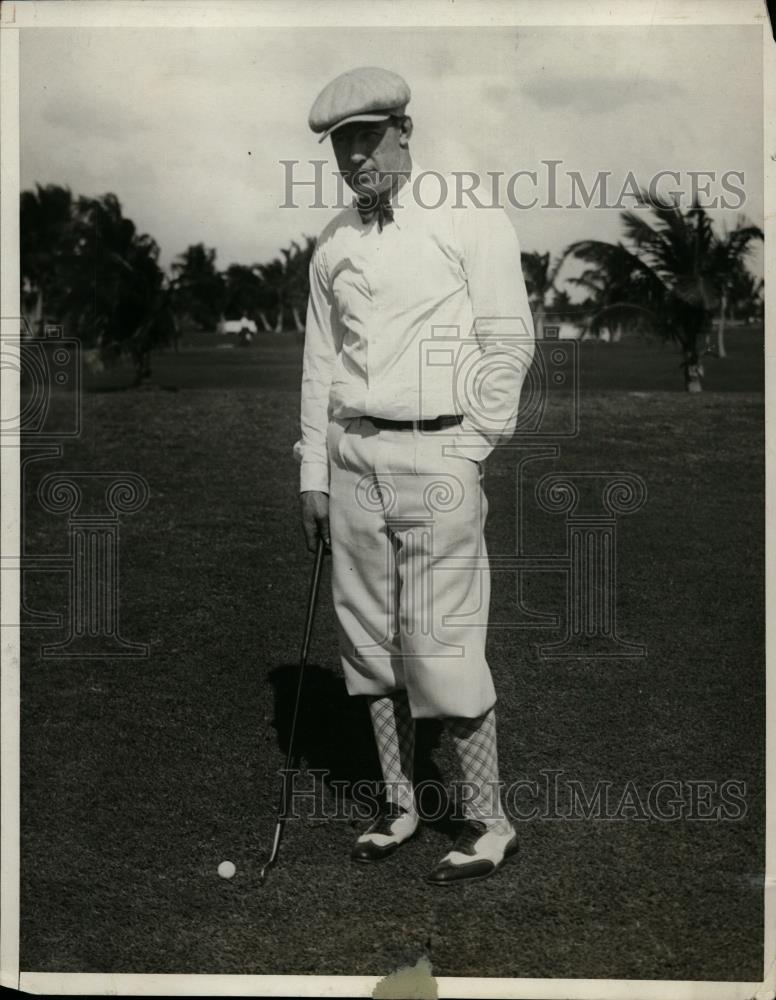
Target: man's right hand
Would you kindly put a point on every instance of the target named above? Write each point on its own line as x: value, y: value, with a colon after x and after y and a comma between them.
x: 315, y: 518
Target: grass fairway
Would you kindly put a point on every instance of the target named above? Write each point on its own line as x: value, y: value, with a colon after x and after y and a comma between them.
x: 141, y: 775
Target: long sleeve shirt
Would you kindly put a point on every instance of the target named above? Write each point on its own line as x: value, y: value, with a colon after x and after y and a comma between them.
x: 426, y: 317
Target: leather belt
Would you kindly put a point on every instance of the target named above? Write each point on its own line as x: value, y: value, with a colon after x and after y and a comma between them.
x: 437, y: 424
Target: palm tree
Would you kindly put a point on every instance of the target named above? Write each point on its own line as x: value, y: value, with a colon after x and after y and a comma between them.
x: 116, y: 295
x: 198, y: 287
x: 729, y: 270
x: 745, y: 295
x: 576, y: 313
x: 159, y: 327
x: 267, y: 299
x: 45, y: 244
x: 540, y: 277
x: 84, y: 264
x: 607, y: 282
x: 286, y: 283
x: 667, y: 275
x: 297, y: 278
x: 273, y: 277
x: 243, y: 291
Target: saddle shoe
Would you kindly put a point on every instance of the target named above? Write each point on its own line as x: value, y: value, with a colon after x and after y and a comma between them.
x: 393, y: 827
x: 479, y: 851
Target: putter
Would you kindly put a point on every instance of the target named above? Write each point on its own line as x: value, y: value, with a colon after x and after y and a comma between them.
x: 290, y: 756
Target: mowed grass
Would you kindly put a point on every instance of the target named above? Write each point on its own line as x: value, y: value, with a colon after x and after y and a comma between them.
x: 141, y: 775
x: 207, y: 361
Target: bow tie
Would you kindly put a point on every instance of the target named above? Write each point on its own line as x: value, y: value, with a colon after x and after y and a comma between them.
x: 368, y: 210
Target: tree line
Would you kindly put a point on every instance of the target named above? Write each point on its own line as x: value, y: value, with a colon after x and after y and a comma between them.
x: 84, y: 265
x: 273, y: 294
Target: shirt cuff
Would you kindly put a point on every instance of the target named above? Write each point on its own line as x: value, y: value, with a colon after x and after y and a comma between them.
x: 314, y: 476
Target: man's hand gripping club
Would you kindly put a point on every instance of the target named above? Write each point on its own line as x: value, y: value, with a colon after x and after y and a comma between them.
x: 315, y: 518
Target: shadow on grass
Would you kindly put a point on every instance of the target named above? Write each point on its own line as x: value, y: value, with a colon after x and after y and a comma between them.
x: 334, y: 734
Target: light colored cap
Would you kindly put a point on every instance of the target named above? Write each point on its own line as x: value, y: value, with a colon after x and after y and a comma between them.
x: 366, y: 94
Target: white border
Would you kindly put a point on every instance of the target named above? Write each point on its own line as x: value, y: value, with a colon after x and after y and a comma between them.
x: 358, y: 986
x: 9, y: 513
x: 378, y: 13
x: 769, y: 267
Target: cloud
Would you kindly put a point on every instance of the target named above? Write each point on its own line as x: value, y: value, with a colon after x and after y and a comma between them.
x: 596, y: 94
x: 188, y: 126
x: 91, y: 116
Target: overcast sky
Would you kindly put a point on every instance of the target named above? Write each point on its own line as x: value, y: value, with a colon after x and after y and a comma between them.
x: 187, y: 126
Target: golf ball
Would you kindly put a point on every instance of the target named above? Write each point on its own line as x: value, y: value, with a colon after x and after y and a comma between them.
x: 226, y: 869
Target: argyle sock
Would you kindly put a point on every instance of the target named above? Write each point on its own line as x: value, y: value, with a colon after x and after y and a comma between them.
x: 394, y: 730
x: 475, y: 746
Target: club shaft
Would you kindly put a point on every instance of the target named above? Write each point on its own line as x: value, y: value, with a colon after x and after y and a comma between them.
x: 312, y: 602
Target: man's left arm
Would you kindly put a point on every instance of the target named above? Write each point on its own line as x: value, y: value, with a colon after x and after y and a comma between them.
x: 503, y: 328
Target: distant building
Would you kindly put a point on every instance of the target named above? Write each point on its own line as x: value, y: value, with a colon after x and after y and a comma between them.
x: 577, y: 326
x: 561, y: 326
x: 240, y: 326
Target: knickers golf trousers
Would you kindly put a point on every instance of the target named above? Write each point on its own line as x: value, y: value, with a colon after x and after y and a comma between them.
x: 410, y: 577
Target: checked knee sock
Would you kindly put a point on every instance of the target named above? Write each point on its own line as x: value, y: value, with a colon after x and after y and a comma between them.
x: 475, y: 746
x: 394, y: 730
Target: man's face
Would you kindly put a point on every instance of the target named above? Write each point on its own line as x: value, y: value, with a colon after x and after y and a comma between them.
x: 370, y: 154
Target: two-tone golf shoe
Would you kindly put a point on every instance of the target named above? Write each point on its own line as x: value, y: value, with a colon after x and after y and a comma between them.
x: 392, y: 828
x: 478, y: 852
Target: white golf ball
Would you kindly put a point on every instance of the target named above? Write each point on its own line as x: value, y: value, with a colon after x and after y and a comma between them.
x: 226, y: 869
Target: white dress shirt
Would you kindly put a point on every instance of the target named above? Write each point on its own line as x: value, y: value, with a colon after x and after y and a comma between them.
x: 427, y: 317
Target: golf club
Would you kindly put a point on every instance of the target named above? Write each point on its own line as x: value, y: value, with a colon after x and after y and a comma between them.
x: 290, y: 756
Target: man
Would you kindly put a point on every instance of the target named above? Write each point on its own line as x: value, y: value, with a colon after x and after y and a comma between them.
x: 418, y: 339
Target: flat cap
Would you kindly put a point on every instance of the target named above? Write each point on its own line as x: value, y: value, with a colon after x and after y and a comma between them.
x: 360, y: 95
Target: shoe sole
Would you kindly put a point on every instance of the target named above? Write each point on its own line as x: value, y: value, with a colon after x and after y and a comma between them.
x: 378, y: 857
x: 448, y: 883
x: 385, y: 852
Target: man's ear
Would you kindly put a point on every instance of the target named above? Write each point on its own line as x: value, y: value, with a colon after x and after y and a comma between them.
x: 405, y: 131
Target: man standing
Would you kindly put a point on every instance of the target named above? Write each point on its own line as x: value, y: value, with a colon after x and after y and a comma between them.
x: 418, y: 340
